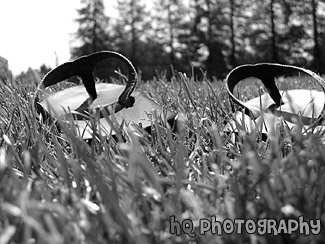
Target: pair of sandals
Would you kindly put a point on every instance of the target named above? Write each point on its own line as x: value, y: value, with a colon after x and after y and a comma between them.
x: 291, y: 106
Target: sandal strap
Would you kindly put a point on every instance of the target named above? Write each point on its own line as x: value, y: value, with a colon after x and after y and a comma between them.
x: 266, y: 72
x: 84, y: 67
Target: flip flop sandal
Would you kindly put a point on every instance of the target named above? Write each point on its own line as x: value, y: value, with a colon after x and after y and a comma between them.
x: 289, y: 107
x: 82, y: 99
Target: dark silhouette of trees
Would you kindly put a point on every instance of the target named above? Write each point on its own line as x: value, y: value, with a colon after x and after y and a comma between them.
x: 33, y: 76
x: 209, y: 32
x: 317, y: 51
x: 5, y: 72
x: 274, y: 48
x: 168, y: 16
x: 213, y: 35
x: 131, y: 27
x: 93, y: 33
x: 232, y: 18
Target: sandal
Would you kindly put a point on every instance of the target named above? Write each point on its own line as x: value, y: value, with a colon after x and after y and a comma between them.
x: 288, y: 107
x: 100, y: 96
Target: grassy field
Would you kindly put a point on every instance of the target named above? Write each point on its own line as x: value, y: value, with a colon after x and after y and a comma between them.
x: 142, y: 188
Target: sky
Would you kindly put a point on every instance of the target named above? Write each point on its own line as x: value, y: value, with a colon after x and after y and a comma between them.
x: 36, y: 32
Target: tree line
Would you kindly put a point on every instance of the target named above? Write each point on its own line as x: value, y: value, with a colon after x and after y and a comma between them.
x: 212, y: 35
x: 202, y: 36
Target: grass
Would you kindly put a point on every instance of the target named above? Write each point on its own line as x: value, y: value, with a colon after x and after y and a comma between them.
x: 57, y: 188
x: 250, y: 87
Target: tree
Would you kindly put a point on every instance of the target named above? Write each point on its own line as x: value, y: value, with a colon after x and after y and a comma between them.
x: 214, y: 35
x: 130, y: 28
x: 44, y: 69
x: 209, y: 32
x: 295, y: 40
x: 317, y: 50
x: 31, y: 76
x: 273, y: 34
x: 321, y: 34
x: 168, y: 19
x: 92, y: 34
x: 5, y: 72
x: 232, y: 17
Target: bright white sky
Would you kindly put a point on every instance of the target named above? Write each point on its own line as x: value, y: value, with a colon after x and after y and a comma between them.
x: 33, y: 32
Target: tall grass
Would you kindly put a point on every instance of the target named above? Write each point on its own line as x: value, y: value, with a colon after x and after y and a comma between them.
x: 57, y: 188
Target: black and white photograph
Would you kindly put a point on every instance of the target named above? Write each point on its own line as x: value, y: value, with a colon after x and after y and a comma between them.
x: 162, y: 121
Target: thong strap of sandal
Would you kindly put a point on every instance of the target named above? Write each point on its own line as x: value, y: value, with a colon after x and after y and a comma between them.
x: 83, y: 67
x: 267, y: 72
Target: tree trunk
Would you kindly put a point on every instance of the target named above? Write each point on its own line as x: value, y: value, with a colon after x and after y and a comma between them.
x: 171, y: 37
x: 209, y: 43
x: 317, y: 54
x: 94, y: 29
x: 133, y: 34
x: 273, y: 35
x: 215, y: 62
x: 232, y: 37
